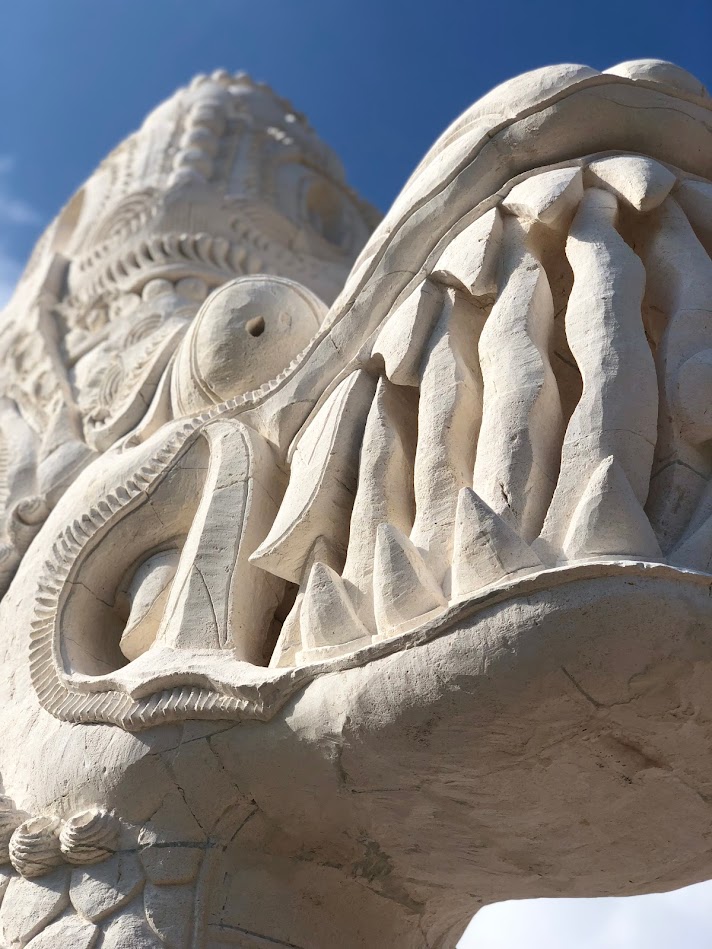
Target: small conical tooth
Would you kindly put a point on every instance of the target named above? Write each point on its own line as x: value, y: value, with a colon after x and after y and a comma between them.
x: 68, y: 547
x: 695, y: 552
x: 403, y: 586
x: 486, y: 547
x: 112, y: 503
x: 48, y: 585
x: 171, y: 703
x: 70, y: 543
x: 470, y: 260
x: 327, y: 618
x: 289, y: 643
x: 94, y: 518
x: 44, y: 600
x: 609, y: 519
x: 548, y: 197
x: 636, y: 179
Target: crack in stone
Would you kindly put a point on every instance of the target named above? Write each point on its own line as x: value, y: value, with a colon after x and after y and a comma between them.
x: 580, y: 688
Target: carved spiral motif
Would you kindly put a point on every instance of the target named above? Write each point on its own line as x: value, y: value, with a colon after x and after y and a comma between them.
x: 34, y: 846
x: 23, y: 522
x: 32, y: 510
x: 89, y: 836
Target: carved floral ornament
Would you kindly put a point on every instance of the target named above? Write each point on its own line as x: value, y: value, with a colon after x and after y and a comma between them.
x: 331, y: 522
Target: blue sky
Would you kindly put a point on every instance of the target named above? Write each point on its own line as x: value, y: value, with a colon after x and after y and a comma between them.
x: 379, y: 80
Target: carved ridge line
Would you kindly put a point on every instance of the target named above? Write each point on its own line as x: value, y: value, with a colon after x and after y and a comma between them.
x: 219, y: 254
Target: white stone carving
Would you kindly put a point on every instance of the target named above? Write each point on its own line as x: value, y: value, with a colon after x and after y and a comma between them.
x: 89, y: 837
x: 327, y: 615
x: 35, y: 847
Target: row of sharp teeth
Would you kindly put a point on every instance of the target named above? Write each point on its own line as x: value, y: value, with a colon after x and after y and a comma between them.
x: 428, y: 474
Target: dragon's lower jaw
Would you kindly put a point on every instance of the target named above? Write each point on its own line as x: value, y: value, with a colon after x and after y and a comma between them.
x: 531, y: 741
x: 165, y: 683
x: 552, y: 728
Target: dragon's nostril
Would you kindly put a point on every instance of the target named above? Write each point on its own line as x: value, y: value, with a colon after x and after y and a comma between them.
x: 256, y: 326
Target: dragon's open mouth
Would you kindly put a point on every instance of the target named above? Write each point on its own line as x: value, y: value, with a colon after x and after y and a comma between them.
x: 511, y: 393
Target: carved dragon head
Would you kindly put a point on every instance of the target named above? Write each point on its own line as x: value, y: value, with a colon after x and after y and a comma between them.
x: 437, y: 560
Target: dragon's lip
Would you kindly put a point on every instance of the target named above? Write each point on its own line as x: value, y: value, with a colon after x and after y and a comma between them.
x: 168, y: 685
x: 165, y: 482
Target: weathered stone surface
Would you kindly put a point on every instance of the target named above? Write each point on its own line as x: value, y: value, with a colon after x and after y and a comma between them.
x: 171, y: 866
x: 6, y: 874
x: 29, y: 905
x: 169, y: 911
x: 69, y: 931
x: 97, y: 891
x: 129, y: 931
x: 172, y: 843
x: 204, y: 783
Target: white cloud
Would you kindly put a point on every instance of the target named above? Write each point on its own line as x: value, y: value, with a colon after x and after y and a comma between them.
x: 14, y: 213
x: 680, y: 918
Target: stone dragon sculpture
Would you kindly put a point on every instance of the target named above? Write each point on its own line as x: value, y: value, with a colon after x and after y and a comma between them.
x: 325, y: 625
